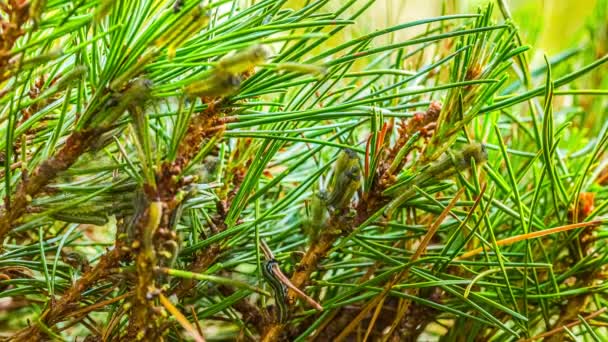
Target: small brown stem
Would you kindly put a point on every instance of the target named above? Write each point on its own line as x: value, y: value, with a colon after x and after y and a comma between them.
x: 279, y: 274
x: 101, y: 304
x: 250, y: 313
x: 196, y: 321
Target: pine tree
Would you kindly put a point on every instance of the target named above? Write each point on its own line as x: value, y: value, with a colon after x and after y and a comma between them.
x: 261, y: 170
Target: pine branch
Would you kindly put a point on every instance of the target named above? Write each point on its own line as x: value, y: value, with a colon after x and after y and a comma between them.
x: 31, y: 186
x: 181, y: 168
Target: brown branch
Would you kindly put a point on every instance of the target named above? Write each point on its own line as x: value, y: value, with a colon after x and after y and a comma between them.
x: 339, y: 318
x: 151, y: 232
x: 76, y: 144
x: 204, y: 259
x: 96, y: 306
x: 418, y: 316
x: 378, y: 301
x: 578, y: 303
x: 145, y: 322
x: 152, y: 227
x: 338, y: 225
x: 69, y: 301
x: 418, y: 123
x: 198, y: 129
x: 316, y: 252
x: 12, y: 29
x: 67, y: 305
x: 155, y: 242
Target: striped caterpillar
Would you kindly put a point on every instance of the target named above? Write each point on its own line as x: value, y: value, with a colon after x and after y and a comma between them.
x: 279, y: 290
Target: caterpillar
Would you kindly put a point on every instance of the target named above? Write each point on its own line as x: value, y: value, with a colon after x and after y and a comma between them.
x: 445, y: 167
x: 136, y: 95
x: 346, y: 185
x: 218, y: 84
x: 347, y: 159
x: 76, y: 73
x: 184, y: 28
x: 318, y: 214
x: 244, y: 60
x: 97, y: 220
x: 461, y: 160
x: 35, y: 61
x: 278, y: 288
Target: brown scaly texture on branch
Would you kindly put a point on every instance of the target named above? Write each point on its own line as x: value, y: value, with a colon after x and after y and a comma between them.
x: 12, y: 29
x: 146, y: 320
x: 204, y: 259
x: 143, y: 323
x: 340, y: 224
x: 422, y: 122
x: 76, y: 144
x: 69, y: 301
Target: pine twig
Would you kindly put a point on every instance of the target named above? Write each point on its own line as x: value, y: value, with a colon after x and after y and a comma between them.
x: 76, y: 144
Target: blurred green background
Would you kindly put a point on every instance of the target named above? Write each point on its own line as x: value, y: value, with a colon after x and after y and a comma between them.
x: 550, y: 26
